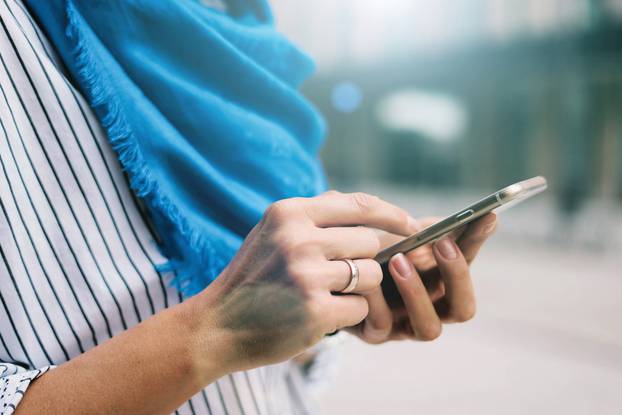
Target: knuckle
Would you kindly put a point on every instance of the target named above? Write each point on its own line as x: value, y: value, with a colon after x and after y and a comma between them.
x: 276, y: 211
x: 292, y: 247
x: 364, y: 201
x: 323, y: 315
x: 378, y: 329
x: 315, y: 308
x: 466, y: 313
x: 282, y: 210
x: 369, y: 240
x: 296, y: 271
x: 374, y: 241
x: 458, y: 270
x: 284, y: 242
x: 383, y: 324
x: 402, y: 217
x: 374, y: 336
x: 429, y: 331
x: 463, y: 273
x: 375, y: 273
x: 363, y: 309
x: 332, y: 192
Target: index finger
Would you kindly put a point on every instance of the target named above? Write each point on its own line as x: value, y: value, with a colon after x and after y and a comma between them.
x: 358, y: 209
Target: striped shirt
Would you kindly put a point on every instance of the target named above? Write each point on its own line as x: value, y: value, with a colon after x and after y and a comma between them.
x: 77, y: 259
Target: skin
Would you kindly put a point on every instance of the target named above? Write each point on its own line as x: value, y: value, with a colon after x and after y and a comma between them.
x: 434, y: 282
x: 274, y: 300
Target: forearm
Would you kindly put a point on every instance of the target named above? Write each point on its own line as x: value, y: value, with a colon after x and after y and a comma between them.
x: 150, y: 369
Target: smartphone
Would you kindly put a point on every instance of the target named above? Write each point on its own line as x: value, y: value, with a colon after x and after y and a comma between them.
x: 500, y: 200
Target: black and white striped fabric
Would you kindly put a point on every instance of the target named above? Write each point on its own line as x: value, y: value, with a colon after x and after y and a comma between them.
x: 77, y: 259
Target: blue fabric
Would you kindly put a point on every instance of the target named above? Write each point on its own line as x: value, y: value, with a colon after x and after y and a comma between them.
x: 204, y: 111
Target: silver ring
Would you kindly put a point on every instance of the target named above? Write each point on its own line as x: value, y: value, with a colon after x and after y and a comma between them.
x: 354, y: 276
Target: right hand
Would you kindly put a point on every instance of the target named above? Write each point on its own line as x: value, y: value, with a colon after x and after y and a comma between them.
x: 276, y: 297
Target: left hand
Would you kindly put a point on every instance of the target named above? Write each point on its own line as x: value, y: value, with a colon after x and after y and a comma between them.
x: 434, y: 282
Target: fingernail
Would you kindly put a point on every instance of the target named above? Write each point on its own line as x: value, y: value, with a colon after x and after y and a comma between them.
x: 490, y: 227
x: 447, y: 249
x: 401, y: 265
x: 413, y: 225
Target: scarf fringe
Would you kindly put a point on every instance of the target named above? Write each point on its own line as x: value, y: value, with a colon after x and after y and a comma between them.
x: 198, y: 265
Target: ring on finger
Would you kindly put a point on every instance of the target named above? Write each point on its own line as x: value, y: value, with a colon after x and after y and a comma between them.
x: 354, y: 276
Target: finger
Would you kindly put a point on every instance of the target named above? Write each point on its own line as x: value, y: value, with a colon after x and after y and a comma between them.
x: 454, y: 270
x: 422, y: 258
x: 388, y: 239
x: 475, y: 236
x: 339, y: 275
x: 352, y: 209
x: 346, y: 311
x: 379, y: 322
x: 350, y: 242
x: 424, y: 321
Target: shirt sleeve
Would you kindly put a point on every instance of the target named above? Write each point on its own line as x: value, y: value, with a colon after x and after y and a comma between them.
x: 321, y: 368
x: 14, y: 380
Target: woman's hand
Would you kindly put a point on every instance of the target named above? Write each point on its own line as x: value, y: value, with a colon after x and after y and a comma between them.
x: 276, y: 299
x: 272, y: 302
x: 435, y: 284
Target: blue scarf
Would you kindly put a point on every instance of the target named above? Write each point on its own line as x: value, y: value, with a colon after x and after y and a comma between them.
x: 203, y: 109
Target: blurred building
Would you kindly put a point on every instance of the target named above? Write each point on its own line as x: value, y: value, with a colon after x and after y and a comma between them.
x: 468, y: 93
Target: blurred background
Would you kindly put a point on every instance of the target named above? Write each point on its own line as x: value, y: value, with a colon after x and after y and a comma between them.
x: 433, y: 103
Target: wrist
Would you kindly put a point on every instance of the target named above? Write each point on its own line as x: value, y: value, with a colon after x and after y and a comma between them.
x: 207, y: 350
